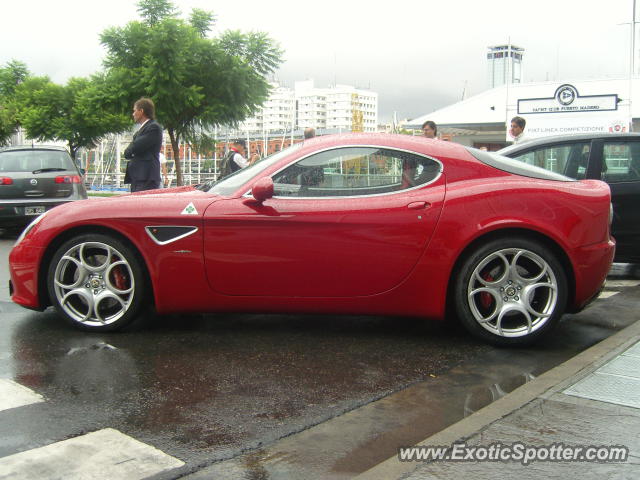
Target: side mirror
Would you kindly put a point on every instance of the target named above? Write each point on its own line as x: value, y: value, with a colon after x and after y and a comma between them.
x: 263, y: 189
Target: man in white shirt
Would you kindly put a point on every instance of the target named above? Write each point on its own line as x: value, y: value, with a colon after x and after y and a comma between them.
x: 239, y: 160
x: 233, y: 160
x: 430, y: 129
x: 517, y: 129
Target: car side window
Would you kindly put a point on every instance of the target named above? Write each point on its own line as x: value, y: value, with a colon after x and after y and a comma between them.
x: 354, y: 171
x: 621, y: 162
x: 567, y: 159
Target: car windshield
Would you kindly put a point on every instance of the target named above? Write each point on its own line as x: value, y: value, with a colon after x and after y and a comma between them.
x: 514, y: 166
x: 34, y: 160
x: 231, y: 183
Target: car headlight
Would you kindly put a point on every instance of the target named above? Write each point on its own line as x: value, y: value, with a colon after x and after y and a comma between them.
x: 30, y: 227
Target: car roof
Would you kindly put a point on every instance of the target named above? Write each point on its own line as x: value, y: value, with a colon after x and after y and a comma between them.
x: 33, y: 147
x: 570, y: 138
x: 416, y: 143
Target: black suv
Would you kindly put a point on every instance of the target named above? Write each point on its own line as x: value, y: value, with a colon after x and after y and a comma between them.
x: 36, y: 179
x: 612, y: 157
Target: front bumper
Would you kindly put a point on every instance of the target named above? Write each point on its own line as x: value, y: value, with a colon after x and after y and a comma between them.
x: 24, y: 262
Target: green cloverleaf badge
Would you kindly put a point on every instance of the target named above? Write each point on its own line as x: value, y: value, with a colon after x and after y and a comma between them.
x: 189, y: 210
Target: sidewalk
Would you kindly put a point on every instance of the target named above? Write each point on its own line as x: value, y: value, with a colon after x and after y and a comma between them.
x: 591, y: 400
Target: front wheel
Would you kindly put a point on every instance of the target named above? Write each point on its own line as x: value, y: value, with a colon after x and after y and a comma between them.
x: 510, y: 291
x: 97, y: 283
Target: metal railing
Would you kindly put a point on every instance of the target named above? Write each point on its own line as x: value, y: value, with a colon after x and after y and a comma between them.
x: 114, y: 182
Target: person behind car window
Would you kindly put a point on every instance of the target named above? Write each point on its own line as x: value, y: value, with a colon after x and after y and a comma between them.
x: 430, y: 129
x: 408, y: 173
x: 517, y: 129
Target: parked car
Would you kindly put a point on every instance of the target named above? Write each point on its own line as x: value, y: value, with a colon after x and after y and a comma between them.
x: 358, y: 224
x: 34, y: 180
x: 614, y: 158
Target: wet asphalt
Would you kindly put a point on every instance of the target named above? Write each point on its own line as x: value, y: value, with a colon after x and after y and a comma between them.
x: 269, y: 396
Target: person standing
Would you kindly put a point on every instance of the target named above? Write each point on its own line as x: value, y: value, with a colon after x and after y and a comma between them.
x: 143, y: 153
x: 429, y: 129
x: 238, y: 160
x: 309, y: 132
x: 234, y: 160
x: 163, y: 171
x: 517, y: 129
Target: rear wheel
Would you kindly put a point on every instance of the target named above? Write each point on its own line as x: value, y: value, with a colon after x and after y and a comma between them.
x: 510, y: 291
x: 97, y: 283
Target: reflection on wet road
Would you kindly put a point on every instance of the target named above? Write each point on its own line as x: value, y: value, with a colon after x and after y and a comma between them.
x: 270, y: 396
x: 215, y: 386
x: 351, y: 443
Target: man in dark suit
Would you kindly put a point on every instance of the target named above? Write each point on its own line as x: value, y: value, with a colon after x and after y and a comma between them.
x: 143, y: 153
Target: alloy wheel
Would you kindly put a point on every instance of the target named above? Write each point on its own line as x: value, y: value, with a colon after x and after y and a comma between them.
x: 512, y: 292
x: 94, y: 284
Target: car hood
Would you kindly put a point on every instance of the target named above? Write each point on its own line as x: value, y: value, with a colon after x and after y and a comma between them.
x: 165, y: 204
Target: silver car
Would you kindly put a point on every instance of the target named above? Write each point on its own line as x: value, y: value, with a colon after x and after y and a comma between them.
x: 34, y: 179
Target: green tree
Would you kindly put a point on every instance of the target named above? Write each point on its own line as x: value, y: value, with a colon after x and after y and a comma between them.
x: 202, y: 21
x: 196, y: 82
x: 11, y: 76
x: 48, y: 111
x: 155, y: 11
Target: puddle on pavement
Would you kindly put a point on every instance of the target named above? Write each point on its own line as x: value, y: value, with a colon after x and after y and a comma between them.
x: 480, y: 397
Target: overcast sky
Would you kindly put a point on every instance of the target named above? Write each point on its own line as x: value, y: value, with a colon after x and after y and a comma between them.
x: 418, y: 55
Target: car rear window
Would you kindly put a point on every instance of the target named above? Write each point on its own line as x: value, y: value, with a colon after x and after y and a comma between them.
x: 31, y: 160
x: 516, y: 167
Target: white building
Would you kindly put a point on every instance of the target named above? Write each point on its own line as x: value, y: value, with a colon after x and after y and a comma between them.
x: 277, y: 113
x: 348, y: 108
x: 341, y: 108
x: 311, y: 105
x: 504, y: 65
x: 549, y: 108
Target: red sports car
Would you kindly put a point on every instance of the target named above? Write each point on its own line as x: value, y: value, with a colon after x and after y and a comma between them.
x: 358, y: 224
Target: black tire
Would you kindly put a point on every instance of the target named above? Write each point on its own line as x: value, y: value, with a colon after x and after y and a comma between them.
x: 97, y: 283
x: 510, y: 291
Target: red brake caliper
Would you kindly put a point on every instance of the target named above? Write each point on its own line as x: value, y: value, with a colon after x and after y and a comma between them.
x: 485, y: 298
x: 119, y: 279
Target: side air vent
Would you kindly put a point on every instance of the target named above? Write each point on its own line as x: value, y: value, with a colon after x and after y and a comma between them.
x: 168, y: 233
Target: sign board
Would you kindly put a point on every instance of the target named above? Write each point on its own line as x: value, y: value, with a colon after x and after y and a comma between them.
x: 567, y: 112
x: 566, y: 99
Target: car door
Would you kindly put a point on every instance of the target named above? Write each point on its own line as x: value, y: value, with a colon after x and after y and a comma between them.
x: 621, y: 170
x: 349, y: 221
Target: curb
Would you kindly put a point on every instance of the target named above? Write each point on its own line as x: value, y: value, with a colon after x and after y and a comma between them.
x: 554, y: 379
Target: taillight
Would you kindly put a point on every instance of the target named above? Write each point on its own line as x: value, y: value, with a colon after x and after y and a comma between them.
x: 6, y: 181
x: 68, y: 179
